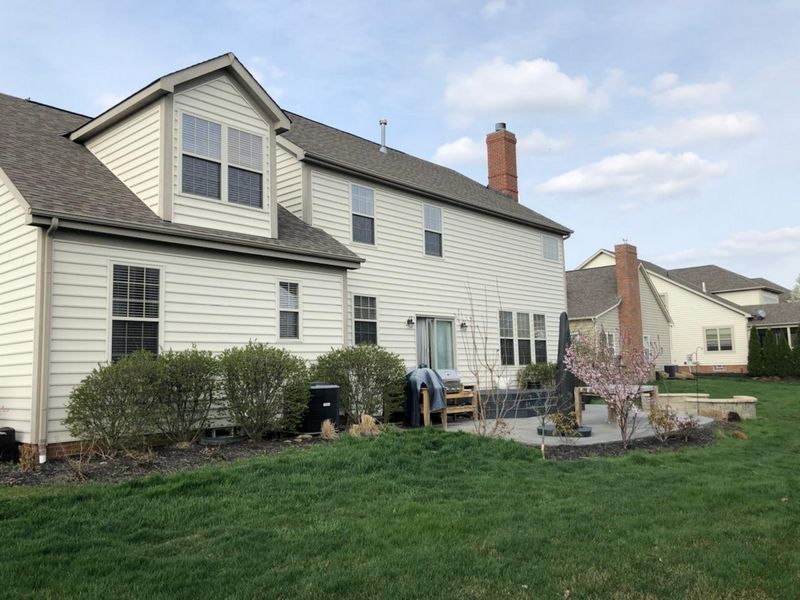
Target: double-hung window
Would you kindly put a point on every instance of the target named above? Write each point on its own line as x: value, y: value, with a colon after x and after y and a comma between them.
x: 245, y: 166
x: 202, y: 157
x: 550, y: 247
x: 719, y: 339
x: 433, y: 230
x: 365, y: 319
x: 135, y: 308
x: 506, y: 337
x: 289, y: 301
x: 540, y: 338
x: 648, y: 351
x: 524, y: 338
x: 363, y: 213
x: 611, y: 342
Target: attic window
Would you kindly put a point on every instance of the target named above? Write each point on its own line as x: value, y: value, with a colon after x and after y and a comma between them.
x: 550, y: 247
x: 433, y: 230
x: 245, y: 184
x: 202, y: 156
x: 363, y: 213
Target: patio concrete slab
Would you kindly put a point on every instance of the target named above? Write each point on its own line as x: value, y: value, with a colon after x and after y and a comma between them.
x: 595, y: 416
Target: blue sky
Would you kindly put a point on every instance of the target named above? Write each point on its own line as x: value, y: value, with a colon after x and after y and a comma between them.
x: 674, y: 125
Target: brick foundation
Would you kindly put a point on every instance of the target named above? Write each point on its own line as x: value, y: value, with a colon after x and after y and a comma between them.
x: 711, y: 369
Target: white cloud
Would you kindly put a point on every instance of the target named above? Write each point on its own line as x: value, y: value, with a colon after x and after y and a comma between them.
x: 746, y: 250
x: 267, y: 74
x: 494, y: 8
x: 462, y: 151
x: 645, y: 173
x: 536, y: 142
x: 667, y: 92
x: 466, y: 151
x: 539, y: 85
x: 690, y: 131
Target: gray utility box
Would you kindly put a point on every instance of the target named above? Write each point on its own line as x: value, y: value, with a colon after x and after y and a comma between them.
x: 324, y: 404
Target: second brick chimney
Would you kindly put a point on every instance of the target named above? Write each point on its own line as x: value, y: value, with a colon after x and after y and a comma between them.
x: 630, y: 308
x: 501, y: 147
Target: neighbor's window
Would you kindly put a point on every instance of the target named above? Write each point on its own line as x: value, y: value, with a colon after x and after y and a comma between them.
x: 719, y: 339
x: 540, y: 338
x: 289, y: 310
x: 134, y: 310
x: 202, y: 157
x: 506, y: 337
x: 646, y: 346
x: 365, y: 319
x: 246, y: 162
x: 550, y: 247
x: 611, y: 342
x: 433, y: 230
x: 363, y: 207
x: 524, y: 338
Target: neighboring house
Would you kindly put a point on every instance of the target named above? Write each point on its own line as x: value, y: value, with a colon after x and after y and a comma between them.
x: 197, y: 211
x: 731, y: 286
x: 781, y: 319
x: 707, y: 329
x: 620, y: 299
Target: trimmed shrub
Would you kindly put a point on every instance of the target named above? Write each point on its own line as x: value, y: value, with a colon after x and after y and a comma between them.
x: 536, y: 374
x: 371, y: 379
x: 755, y: 355
x: 783, y: 365
x: 266, y: 388
x: 187, y: 390
x: 770, y: 354
x: 110, y: 408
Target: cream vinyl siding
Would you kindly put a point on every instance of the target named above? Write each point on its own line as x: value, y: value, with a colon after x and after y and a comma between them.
x: 609, y: 322
x: 691, y: 315
x: 290, y: 182
x: 131, y: 150
x: 215, y: 300
x: 601, y: 260
x: 501, y: 261
x: 17, y: 294
x: 749, y: 297
x: 654, y: 322
x: 221, y: 101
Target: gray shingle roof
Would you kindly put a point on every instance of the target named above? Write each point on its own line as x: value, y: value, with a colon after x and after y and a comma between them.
x: 785, y: 313
x: 716, y: 278
x: 591, y: 292
x: 58, y: 177
x: 334, y: 146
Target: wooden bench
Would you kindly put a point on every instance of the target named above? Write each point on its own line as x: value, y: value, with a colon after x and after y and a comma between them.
x: 469, y: 391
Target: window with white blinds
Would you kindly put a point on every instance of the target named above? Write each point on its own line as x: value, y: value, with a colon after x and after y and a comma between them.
x: 433, y: 230
x: 135, y: 310
x: 362, y: 201
x: 289, y: 302
x: 204, y: 160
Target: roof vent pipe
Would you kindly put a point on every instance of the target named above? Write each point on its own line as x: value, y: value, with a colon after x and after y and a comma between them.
x: 383, y: 123
x: 704, y: 286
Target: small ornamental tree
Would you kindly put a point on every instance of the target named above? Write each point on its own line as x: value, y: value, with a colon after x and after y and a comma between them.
x: 755, y: 355
x: 770, y: 354
x: 371, y: 379
x: 618, y: 379
x: 784, y: 358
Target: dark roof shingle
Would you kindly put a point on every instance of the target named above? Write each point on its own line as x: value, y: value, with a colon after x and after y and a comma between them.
x: 350, y: 151
x: 591, y: 292
x: 784, y: 313
x: 58, y: 177
x: 716, y: 279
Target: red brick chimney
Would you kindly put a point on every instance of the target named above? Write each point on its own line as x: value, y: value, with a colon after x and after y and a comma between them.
x: 630, y: 308
x: 501, y: 147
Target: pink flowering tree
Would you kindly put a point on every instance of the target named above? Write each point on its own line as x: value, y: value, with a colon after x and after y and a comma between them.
x: 616, y: 377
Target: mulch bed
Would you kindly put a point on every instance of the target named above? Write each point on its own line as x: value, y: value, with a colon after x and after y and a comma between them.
x: 702, y: 436
x: 162, y: 461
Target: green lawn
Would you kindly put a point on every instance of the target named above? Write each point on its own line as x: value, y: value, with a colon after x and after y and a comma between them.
x: 431, y: 514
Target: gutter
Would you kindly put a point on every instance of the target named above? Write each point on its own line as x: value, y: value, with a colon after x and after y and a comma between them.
x: 197, y: 239
x: 42, y: 357
x: 374, y: 177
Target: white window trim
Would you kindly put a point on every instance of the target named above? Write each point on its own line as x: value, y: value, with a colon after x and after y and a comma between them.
x: 559, y: 253
x: 425, y: 229
x: 353, y: 316
x: 110, y: 300
x: 530, y: 338
x: 717, y: 328
x: 535, y: 339
x: 282, y: 340
x: 224, y: 164
x: 513, y: 337
x: 373, y: 216
x: 454, y: 320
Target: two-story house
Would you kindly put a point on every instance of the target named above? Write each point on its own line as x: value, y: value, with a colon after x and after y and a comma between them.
x: 198, y: 211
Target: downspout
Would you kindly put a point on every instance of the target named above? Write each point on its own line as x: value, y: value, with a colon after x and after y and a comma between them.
x: 44, y: 345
